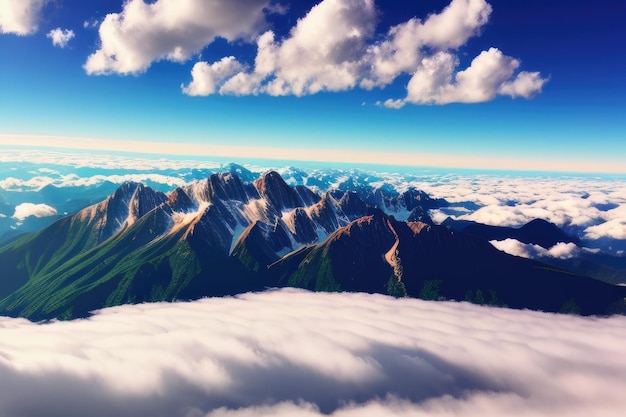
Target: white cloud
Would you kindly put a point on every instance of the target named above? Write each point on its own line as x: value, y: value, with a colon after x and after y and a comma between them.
x: 60, y: 37
x: 573, y: 203
x: 20, y: 17
x: 564, y: 250
x: 391, y: 104
x: 614, y: 229
x: 170, y: 30
x: 24, y: 210
x: 402, y: 50
x: 332, y: 49
x: 561, y: 250
x: 72, y: 180
x: 18, y: 184
x: 322, y: 53
x: 293, y: 353
x: 489, y: 74
x: 207, y: 77
x: 526, y: 84
x: 102, y: 161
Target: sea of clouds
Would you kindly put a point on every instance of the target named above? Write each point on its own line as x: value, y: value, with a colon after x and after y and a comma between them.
x: 295, y: 353
x: 592, y: 208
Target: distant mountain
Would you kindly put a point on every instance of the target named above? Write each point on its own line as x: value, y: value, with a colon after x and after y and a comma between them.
x: 62, y: 199
x: 226, y: 235
x: 537, y: 232
x: 603, y: 267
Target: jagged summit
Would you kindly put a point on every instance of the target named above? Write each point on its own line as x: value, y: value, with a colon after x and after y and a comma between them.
x: 278, y: 193
x: 240, y: 171
x: 228, y: 186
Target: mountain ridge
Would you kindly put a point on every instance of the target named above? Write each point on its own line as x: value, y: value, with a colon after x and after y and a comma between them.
x: 223, y: 236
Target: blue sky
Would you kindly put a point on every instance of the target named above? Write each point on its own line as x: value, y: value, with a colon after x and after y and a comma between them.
x: 563, y: 61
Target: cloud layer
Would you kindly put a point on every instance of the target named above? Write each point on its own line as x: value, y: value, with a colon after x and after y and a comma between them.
x: 170, y: 30
x: 293, y: 353
x: 588, y: 207
x: 333, y: 48
x: 592, y: 208
x: 20, y: 17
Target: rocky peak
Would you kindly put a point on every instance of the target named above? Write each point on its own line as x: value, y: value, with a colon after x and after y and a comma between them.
x: 352, y: 205
x: 179, y: 201
x: 226, y: 186
x: 277, y: 192
x: 142, y: 201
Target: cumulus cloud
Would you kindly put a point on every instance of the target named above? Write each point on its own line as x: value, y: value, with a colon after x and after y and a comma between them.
x: 294, y: 353
x: 207, y: 77
x: 614, y: 229
x: 24, y: 210
x: 20, y: 17
x: 403, y: 49
x: 322, y: 53
x: 333, y: 48
x: 561, y: 250
x: 170, y: 30
x: 60, y: 37
x: 489, y: 74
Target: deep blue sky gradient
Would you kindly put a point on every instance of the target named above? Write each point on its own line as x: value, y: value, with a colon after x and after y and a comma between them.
x: 581, y: 113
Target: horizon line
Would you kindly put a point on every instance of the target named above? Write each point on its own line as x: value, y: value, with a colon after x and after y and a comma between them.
x: 346, y: 156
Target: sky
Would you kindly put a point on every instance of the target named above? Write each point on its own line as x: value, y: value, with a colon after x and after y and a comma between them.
x: 505, y: 84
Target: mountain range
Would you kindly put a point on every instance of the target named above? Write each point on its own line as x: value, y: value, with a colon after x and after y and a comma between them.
x: 232, y: 233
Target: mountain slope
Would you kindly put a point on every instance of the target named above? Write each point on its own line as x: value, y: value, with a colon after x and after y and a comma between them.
x: 379, y: 254
x: 141, y: 245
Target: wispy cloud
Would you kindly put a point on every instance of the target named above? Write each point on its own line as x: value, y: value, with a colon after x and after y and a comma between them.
x: 293, y: 353
x: 60, y: 37
x: 20, y: 17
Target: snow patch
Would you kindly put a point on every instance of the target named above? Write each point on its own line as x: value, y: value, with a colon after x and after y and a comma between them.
x: 239, y: 229
x: 182, y: 219
x: 288, y: 218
